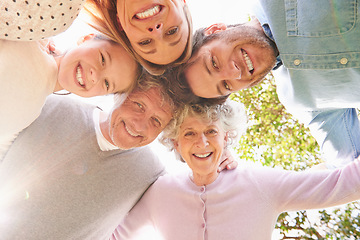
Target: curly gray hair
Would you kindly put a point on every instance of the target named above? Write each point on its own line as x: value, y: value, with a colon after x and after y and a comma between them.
x: 231, y: 116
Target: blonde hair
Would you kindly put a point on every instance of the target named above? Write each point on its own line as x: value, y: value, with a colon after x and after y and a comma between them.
x: 231, y: 116
x: 104, y: 18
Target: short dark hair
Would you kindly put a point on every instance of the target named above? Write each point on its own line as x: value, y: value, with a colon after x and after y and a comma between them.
x: 181, y: 92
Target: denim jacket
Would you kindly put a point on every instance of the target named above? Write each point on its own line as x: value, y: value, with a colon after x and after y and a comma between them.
x: 319, y: 46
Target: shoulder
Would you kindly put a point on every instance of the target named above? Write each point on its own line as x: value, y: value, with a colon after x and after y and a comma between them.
x: 35, y: 20
x: 66, y: 106
x: 143, y: 160
x: 173, y: 182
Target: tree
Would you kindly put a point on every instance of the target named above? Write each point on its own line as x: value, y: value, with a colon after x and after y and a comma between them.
x: 275, y: 139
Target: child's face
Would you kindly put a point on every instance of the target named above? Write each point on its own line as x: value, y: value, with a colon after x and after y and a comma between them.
x: 96, y: 67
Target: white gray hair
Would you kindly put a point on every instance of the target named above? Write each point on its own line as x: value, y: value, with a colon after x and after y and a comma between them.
x: 231, y: 116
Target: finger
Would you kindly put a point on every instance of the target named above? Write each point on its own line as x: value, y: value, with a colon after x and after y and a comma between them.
x: 232, y: 165
x: 224, y: 164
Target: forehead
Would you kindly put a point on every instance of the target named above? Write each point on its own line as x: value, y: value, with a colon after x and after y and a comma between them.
x: 107, y: 45
x: 153, y: 99
x: 152, y: 94
x: 197, y: 121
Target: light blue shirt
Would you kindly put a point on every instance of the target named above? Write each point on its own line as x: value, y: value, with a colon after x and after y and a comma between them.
x: 319, y: 45
x: 319, y: 84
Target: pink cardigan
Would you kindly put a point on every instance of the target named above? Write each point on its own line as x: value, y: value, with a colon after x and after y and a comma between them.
x: 240, y: 204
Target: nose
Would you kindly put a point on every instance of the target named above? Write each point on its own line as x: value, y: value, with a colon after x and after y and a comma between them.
x: 202, y: 141
x: 142, y: 122
x: 94, y: 76
x: 156, y: 28
x: 232, y: 71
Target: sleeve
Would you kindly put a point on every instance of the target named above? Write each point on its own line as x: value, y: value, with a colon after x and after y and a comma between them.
x: 294, y: 191
x: 336, y: 129
x: 337, y: 132
x: 137, y: 224
x: 36, y: 20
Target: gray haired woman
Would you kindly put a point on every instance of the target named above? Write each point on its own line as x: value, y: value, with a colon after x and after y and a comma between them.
x: 239, y: 204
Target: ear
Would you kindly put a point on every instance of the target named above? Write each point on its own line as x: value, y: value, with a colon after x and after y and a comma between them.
x: 226, y: 138
x: 217, y: 27
x: 85, y: 38
x: 176, y: 144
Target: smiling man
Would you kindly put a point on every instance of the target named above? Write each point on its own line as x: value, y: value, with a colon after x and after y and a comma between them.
x: 227, y: 59
x: 317, y: 44
x: 76, y: 171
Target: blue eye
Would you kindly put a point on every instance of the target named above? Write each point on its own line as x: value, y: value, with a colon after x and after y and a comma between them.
x: 139, y: 106
x: 157, y: 122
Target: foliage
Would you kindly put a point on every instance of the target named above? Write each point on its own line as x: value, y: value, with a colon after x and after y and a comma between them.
x: 275, y: 139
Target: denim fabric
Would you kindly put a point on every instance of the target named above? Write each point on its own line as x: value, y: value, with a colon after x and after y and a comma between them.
x: 334, y: 129
x: 319, y: 47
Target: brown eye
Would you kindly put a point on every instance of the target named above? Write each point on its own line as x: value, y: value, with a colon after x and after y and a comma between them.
x: 172, y: 31
x: 211, y: 132
x: 213, y: 63
x: 226, y: 86
x: 145, y: 42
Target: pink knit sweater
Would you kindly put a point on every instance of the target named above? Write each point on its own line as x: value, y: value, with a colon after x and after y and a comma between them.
x: 240, y: 204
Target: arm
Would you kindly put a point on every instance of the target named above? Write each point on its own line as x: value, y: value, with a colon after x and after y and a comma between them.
x: 137, y: 224
x: 332, y: 120
x: 36, y: 20
x: 292, y: 191
x: 337, y: 132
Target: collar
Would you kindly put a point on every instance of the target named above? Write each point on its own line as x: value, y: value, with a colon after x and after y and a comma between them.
x: 269, y: 34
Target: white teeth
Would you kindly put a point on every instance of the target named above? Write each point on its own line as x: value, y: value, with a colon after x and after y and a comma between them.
x: 149, y: 12
x: 131, y: 133
x: 248, y: 61
x: 79, y: 76
x: 202, y: 155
